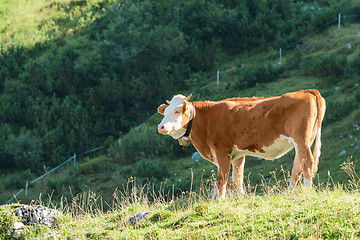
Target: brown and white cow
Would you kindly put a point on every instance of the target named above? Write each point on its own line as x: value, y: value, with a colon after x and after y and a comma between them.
x: 226, y: 131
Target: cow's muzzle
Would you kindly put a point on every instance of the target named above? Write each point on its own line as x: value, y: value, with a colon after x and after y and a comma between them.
x: 162, y: 130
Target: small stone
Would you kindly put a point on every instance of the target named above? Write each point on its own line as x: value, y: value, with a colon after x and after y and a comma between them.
x: 16, y: 234
x: 51, y: 234
x: 18, y: 212
x: 343, y: 152
x: 139, y: 217
x: 195, y: 155
x: 350, y: 45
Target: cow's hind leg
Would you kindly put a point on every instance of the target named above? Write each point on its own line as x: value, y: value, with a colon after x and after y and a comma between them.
x: 317, y: 149
x: 307, y: 164
x: 295, y: 172
x: 238, y: 174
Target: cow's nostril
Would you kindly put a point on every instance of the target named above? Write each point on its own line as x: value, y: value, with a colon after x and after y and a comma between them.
x: 162, y: 129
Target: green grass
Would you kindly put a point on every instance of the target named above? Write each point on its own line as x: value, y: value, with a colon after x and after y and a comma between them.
x: 325, y: 212
x: 24, y: 23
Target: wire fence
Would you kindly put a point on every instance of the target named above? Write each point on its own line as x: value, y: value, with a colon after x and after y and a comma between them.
x: 73, y: 158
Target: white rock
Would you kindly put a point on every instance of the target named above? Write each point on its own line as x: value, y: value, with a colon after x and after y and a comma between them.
x: 18, y: 225
x: 32, y: 215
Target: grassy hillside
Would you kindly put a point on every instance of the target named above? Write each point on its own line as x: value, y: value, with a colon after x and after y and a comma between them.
x: 27, y: 23
x: 322, y: 61
x: 149, y: 172
x: 321, y: 213
x: 172, y: 168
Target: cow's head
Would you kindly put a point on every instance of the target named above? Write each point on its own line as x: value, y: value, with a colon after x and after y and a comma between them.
x: 176, y: 116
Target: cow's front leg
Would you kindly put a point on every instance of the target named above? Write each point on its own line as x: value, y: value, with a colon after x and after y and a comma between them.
x: 238, y: 174
x: 223, y: 172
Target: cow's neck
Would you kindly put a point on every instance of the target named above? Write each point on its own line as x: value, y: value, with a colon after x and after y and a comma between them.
x: 185, y: 139
x: 198, y: 133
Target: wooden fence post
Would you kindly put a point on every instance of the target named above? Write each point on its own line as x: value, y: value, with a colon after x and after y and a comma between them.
x: 280, y: 53
x: 26, y: 188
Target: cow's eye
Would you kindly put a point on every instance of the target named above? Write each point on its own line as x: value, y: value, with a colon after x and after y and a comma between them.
x: 177, y: 111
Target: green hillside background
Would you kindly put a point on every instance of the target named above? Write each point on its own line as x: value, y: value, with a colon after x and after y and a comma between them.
x: 76, y: 75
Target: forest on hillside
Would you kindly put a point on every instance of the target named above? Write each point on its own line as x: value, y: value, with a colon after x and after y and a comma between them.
x: 93, y: 83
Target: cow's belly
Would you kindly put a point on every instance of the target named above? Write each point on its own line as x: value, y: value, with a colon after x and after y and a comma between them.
x: 279, y: 148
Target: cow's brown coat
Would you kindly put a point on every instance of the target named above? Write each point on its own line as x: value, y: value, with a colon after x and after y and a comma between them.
x: 253, y: 124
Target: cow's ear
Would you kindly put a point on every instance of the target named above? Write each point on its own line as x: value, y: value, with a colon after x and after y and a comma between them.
x: 162, y: 108
x: 188, y: 97
x: 186, y: 106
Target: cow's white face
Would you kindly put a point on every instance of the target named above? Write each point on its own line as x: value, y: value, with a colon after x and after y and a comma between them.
x: 176, y: 116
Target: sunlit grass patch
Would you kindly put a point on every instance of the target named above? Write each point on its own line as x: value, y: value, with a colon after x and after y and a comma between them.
x: 326, y: 211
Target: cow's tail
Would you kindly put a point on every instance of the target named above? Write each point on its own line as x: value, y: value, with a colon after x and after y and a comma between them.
x: 321, y: 107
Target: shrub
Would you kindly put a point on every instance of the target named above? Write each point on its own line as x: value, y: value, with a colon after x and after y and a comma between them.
x: 251, y: 75
x: 355, y: 65
x: 98, y: 164
x: 5, y: 225
x: 18, y: 180
x: 58, y: 184
x: 293, y: 62
x: 26, y: 151
x: 325, y: 65
x: 141, y: 143
x: 195, y: 80
x: 151, y: 168
x: 335, y: 110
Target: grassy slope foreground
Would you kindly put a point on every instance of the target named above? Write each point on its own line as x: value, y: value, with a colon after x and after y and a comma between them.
x: 303, y: 214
